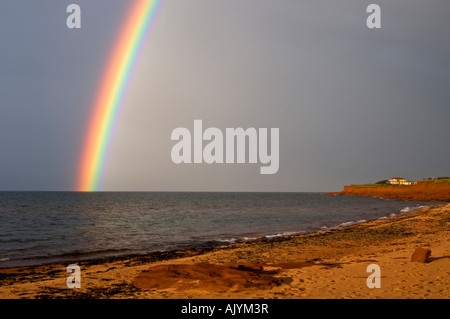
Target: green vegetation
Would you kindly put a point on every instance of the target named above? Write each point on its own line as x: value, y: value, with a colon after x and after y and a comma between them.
x: 372, y: 185
x: 445, y: 179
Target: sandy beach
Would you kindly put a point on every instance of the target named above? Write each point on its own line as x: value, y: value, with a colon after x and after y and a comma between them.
x: 328, y: 264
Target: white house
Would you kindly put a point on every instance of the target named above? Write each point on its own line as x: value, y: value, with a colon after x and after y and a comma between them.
x: 397, y: 181
x: 400, y: 181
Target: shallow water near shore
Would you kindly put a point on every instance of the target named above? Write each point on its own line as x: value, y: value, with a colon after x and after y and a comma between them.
x: 43, y: 227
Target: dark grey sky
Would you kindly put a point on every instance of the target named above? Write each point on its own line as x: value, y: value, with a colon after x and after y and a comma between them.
x: 353, y: 105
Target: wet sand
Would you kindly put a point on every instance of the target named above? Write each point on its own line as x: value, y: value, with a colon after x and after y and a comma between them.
x: 328, y: 264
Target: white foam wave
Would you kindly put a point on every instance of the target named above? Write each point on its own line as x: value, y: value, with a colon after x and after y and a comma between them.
x: 402, y: 211
x: 410, y: 209
x: 231, y: 240
x: 346, y: 224
x: 283, y: 234
x: 323, y: 228
x: 253, y: 238
x: 349, y: 223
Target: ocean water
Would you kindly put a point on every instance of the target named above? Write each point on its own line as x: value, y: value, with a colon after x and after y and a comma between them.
x: 43, y: 227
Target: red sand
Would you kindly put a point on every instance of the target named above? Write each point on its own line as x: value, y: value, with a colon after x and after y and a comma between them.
x: 217, y: 277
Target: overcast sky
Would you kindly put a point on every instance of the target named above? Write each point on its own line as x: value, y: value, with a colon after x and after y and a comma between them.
x: 353, y: 105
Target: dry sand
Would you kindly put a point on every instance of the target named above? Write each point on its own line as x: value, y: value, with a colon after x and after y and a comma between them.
x: 329, y: 264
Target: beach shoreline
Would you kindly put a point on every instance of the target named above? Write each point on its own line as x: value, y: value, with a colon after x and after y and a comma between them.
x: 328, y: 264
x: 69, y: 253
x: 161, y: 255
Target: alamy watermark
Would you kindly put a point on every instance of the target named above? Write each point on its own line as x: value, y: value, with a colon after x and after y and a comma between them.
x: 74, y: 280
x: 374, y: 280
x: 236, y: 145
x: 73, y: 21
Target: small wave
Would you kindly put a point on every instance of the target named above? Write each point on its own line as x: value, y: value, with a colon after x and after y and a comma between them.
x: 402, y: 211
x: 231, y: 240
x: 346, y: 224
x: 390, y: 216
x: 349, y: 223
x: 4, y: 259
x: 410, y: 209
x: 284, y: 234
x: 238, y: 240
x: 251, y: 238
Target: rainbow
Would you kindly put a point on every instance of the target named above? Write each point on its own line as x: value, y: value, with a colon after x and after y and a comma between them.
x: 113, y: 83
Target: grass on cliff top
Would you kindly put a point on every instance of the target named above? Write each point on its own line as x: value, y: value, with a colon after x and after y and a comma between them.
x: 372, y: 185
x: 436, y: 180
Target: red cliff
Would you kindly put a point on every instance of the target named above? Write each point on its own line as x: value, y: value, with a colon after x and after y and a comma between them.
x: 422, y: 191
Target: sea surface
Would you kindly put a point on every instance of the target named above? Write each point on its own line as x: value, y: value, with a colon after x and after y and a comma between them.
x: 43, y: 227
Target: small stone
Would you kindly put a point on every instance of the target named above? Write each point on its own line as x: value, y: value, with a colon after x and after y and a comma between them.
x: 420, y: 255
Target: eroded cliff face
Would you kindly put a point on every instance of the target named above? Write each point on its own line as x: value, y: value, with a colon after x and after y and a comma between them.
x: 422, y: 191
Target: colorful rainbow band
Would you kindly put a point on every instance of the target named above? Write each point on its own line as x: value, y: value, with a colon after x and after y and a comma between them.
x: 108, y: 101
